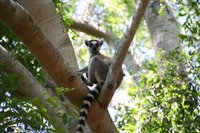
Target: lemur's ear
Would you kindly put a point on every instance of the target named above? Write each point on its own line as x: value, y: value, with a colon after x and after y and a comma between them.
x: 87, y: 42
x: 100, y: 42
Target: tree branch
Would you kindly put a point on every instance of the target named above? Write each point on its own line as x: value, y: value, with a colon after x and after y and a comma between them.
x: 49, y: 22
x: 29, y: 87
x: 124, y: 43
x: 94, y: 31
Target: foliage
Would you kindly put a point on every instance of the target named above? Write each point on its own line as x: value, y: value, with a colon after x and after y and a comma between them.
x: 190, y: 11
x: 102, y: 13
x: 106, y: 16
x: 9, y: 41
x: 167, y: 99
x: 18, y: 115
x: 64, y: 9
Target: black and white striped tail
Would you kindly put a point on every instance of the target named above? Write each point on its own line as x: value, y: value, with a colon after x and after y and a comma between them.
x: 91, y: 96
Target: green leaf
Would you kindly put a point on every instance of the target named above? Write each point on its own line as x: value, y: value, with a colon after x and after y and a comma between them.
x: 52, y: 101
x: 65, y: 118
x: 60, y: 90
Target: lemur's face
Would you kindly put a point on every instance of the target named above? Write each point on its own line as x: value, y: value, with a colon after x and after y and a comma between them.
x: 94, y: 46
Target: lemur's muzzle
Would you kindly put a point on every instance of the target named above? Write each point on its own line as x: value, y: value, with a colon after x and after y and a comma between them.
x: 94, y: 49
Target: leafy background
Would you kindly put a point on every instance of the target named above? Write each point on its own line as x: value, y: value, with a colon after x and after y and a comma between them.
x: 164, y: 101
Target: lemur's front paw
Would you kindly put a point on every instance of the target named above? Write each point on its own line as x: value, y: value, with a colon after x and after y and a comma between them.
x: 80, y: 74
x: 82, y: 77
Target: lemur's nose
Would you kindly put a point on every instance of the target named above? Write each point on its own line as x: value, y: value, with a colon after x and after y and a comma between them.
x: 94, y: 48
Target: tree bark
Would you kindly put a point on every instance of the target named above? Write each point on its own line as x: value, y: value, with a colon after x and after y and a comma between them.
x: 163, y: 27
x: 44, y: 14
x: 94, y: 31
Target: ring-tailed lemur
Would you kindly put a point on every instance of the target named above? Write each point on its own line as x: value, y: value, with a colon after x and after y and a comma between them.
x: 96, y: 72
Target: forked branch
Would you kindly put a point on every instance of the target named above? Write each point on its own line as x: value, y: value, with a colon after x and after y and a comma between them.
x: 119, y: 56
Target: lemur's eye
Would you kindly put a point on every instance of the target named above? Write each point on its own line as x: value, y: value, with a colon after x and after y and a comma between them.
x: 91, y: 45
x: 97, y: 45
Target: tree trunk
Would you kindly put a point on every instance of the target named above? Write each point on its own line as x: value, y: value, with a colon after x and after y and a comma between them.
x: 163, y: 27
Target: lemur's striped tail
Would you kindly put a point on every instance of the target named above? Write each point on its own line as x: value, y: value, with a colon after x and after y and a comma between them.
x: 91, y: 96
